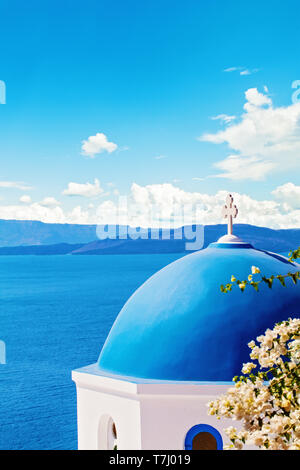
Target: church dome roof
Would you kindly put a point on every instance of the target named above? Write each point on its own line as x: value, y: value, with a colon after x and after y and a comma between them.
x: 179, y: 326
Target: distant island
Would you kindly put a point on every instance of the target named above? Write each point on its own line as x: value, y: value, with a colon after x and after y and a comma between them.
x: 38, y: 238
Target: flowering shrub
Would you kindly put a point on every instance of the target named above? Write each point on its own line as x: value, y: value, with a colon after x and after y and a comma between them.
x: 266, y: 399
x: 251, y: 281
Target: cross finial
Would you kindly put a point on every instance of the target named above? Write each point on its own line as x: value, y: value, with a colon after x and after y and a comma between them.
x: 230, y: 211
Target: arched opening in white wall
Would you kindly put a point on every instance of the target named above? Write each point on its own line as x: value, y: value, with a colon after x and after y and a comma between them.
x: 203, y: 437
x: 107, y: 433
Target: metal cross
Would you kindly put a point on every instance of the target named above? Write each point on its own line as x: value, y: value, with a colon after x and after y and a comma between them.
x: 230, y: 211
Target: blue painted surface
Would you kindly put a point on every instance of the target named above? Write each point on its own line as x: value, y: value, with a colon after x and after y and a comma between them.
x: 179, y: 326
x: 94, y: 369
x: 188, y: 444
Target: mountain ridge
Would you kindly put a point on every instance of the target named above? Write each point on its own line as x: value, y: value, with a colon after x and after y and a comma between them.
x: 38, y: 238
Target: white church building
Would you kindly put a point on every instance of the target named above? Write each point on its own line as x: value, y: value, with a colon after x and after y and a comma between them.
x: 175, y: 346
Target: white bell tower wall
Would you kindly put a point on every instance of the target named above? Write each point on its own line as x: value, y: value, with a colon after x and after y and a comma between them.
x: 147, y: 415
x: 106, y: 416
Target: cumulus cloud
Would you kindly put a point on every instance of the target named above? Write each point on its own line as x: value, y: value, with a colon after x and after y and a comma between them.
x: 25, y: 199
x: 165, y: 205
x: 49, y: 202
x: 256, y: 99
x: 288, y: 194
x: 33, y: 212
x: 267, y: 138
x: 84, y: 189
x: 96, y: 144
x: 53, y: 214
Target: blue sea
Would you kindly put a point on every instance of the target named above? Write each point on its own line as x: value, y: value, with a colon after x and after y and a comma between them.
x: 56, y: 312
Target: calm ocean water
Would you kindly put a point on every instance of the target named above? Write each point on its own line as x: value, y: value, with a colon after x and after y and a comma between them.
x: 55, y: 313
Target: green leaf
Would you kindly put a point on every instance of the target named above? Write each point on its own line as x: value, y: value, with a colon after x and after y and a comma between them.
x: 293, y: 255
x: 255, y: 285
x: 294, y: 277
x: 281, y: 279
x: 268, y: 280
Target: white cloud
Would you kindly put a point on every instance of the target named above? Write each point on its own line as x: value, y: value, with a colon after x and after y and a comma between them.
x: 85, y: 189
x: 224, y: 117
x: 236, y: 167
x: 15, y: 184
x: 33, y: 212
x: 288, y: 194
x: 232, y: 69
x: 256, y: 99
x: 242, y: 70
x: 266, y: 139
x: 49, y: 202
x: 160, y: 157
x: 162, y: 205
x: 249, y: 72
x: 25, y: 199
x: 96, y: 144
x: 245, y: 72
x: 45, y: 214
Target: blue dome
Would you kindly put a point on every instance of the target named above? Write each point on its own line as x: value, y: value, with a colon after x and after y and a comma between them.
x: 179, y: 326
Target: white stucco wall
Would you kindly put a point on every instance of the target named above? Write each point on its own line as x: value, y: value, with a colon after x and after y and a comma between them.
x: 147, y: 415
x: 94, y: 406
x: 165, y: 420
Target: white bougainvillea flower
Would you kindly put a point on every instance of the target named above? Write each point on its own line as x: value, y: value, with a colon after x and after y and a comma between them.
x: 255, y: 270
x: 267, y: 401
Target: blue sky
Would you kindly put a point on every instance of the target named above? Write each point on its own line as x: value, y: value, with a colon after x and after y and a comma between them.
x: 150, y: 76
